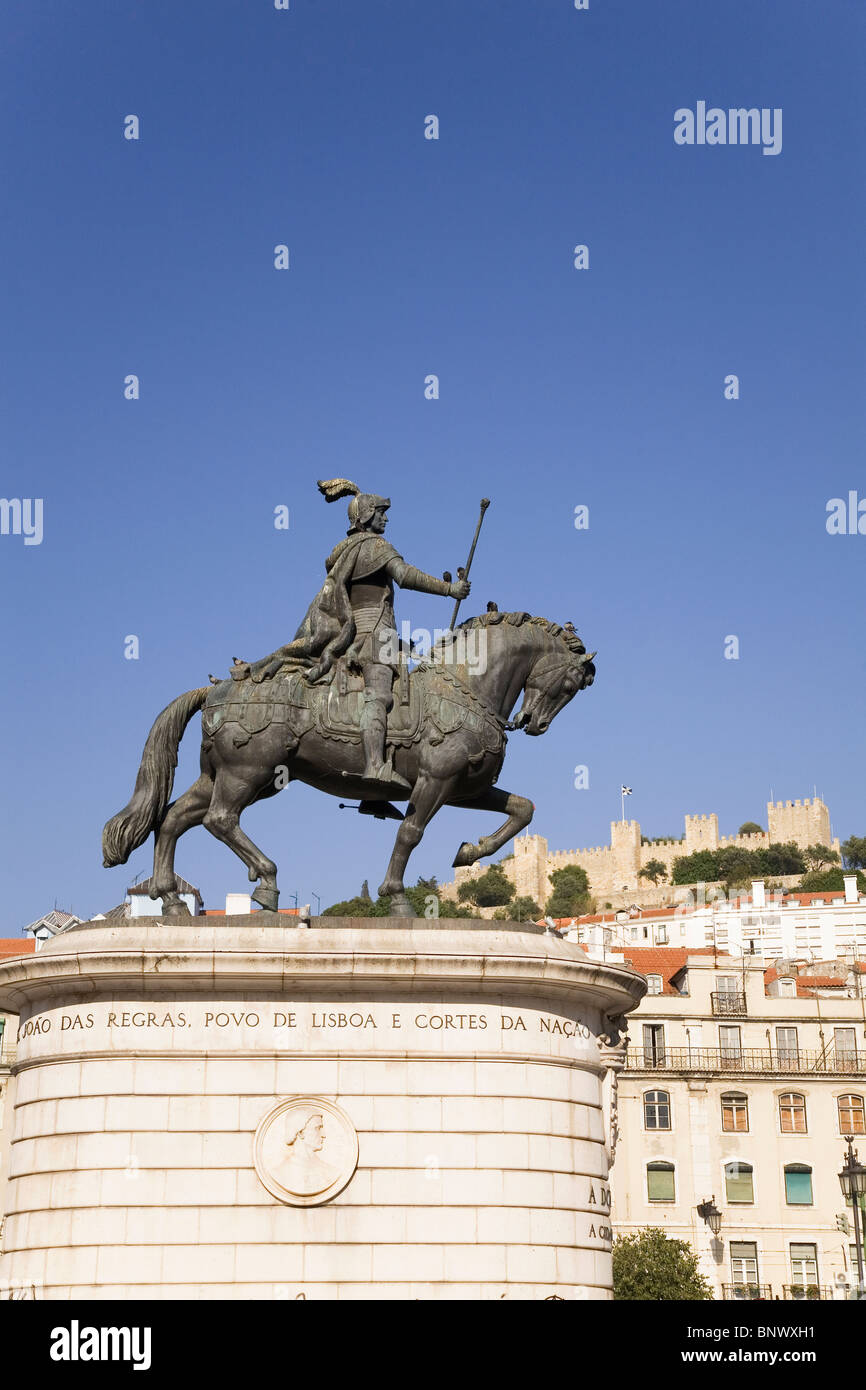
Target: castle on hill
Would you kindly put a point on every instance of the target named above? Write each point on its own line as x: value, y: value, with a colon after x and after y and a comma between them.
x: 614, y: 870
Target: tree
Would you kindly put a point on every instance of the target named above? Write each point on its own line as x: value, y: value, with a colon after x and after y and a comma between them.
x: 829, y: 881
x: 854, y: 852
x: 735, y: 865
x: 570, y: 892
x: 418, y: 896
x: 654, y: 871
x: 492, y: 889
x: 820, y: 856
x: 518, y: 910
x: 750, y: 827
x: 354, y: 907
x: 650, y: 1265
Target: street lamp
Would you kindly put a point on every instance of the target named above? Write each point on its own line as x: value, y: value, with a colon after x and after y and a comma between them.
x: 853, y: 1180
x: 709, y: 1212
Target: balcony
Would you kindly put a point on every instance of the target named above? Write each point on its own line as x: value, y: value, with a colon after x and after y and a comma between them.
x: 7, y: 1056
x: 728, y: 1003
x: 746, y: 1291
x: 812, y: 1293
x: 714, y: 1059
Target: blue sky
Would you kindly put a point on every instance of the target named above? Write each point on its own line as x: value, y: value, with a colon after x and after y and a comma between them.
x: 559, y: 387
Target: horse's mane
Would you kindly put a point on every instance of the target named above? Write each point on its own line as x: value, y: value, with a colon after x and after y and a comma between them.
x: 566, y: 634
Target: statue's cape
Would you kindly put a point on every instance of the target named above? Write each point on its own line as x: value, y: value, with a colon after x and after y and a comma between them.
x: 360, y: 555
x: 328, y: 620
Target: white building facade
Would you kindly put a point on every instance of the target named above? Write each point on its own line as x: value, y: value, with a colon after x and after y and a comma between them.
x: 744, y: 1097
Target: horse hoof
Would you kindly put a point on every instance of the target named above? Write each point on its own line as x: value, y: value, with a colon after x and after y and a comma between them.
x: 401, y: 906
x: 175, y: 910
x: 268, y: 898
x: 466, y: 854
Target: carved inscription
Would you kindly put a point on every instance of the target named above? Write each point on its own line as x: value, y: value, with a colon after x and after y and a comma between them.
x: 320, y: 1020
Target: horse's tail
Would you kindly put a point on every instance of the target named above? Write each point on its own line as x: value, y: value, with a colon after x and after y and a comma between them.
x: 131, y: 826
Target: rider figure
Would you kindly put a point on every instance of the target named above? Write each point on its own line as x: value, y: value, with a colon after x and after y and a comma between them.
x: 353, y: 613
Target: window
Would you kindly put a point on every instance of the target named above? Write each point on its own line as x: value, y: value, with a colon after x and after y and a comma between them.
x: 662, y: 936
x: 786, y: 1046
x: 660, y: 1182
x: 727, y: 984
x: 744, y: 1262
x: 804, y: 1265
x: 657, y: 1110
x: 738, y: 1182
x: 787, y: 989
x: 798, y: 1185
x: 653, y: 1044
x: 851, y: 1115
x: 792, y: 1113
x: 735, y: 1112
x: 654, y: 984
x: 729, y: 1043
x: 845, y: 1047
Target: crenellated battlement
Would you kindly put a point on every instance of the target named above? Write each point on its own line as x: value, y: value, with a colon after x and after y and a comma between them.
x: 614, y: 869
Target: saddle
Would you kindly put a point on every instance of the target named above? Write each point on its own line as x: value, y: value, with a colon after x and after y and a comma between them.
x: 340, y: 709
x: 334, y: 704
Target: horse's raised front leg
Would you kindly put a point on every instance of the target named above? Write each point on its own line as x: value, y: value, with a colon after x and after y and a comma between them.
x: 182, y: 815
x: 231, y: 795
x: 428, y: 794
x: 520, y: 812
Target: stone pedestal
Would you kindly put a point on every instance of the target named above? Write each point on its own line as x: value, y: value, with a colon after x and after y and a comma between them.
x: 359, y: 1109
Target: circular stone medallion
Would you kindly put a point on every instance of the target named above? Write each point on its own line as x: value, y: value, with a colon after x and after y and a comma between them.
x: 305, y: 1151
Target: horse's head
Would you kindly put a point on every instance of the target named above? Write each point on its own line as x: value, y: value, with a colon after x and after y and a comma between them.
x: 561, y: 668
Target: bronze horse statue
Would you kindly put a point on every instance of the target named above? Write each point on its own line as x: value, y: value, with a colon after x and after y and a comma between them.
x: 447, y: 733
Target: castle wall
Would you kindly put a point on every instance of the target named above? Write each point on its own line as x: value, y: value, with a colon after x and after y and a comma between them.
x: 614, y: 870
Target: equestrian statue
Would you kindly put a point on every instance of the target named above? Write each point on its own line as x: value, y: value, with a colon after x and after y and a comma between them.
x: 339, y: 708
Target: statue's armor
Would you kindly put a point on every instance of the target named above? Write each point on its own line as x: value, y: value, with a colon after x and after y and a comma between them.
x: 371, y: 595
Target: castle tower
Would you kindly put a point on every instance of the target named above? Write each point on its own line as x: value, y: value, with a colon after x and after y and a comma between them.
x: 702, y: 832
x: 625, y: 845
x: 528, y: 869
x: 805, y: 822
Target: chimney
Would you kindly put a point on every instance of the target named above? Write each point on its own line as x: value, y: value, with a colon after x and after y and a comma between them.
x: 851, y: 893
x: 237, y: 904
x: 758, y: 894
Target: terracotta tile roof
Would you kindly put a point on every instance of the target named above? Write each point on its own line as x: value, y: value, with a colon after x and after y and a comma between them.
x: 804, y: 897
x: 23, y: 946
x: 221, y: 912
x: 666, y: 961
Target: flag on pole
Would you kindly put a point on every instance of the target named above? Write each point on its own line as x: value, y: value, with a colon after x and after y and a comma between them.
x: 626, y: 791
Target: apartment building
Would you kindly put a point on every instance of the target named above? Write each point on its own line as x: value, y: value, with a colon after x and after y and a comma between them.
x: 739, y: 1086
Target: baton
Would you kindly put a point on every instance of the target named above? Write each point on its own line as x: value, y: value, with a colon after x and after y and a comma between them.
x: 464, y: 572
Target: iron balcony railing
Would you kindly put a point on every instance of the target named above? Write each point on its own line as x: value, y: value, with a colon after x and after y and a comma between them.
x: 809, y: 1292
x: 728, y: 1003
x: 741, y: 1060
x: 741, y: 1291
x: 7, y: 1056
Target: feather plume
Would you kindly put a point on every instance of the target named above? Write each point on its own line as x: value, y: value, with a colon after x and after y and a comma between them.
x: 332, y: 489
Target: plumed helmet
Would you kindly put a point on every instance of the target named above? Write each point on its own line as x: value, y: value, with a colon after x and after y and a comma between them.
x: 362, y: 505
